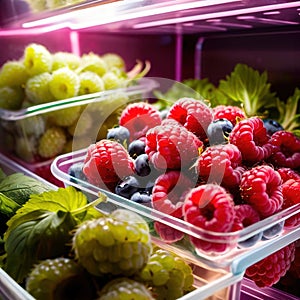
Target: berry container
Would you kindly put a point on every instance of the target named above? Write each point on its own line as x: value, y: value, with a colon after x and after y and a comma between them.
x: 234, y: 259
x: 22, y: 130
x: 210, y: 283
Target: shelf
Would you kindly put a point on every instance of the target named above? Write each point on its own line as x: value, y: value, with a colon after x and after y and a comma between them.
x: 146, y: 16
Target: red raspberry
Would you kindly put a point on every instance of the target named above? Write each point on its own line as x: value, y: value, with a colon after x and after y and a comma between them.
x: 138, y: 118
x: 291, y: 196
x: 261, y: 188
x: 245, y: 215
x: 221, y: 164
x: 287, y: 152
x: 211, y: 208
x: 169, y: 191
x: 193, y: 114
x: 232, y: 113
x: 106, y: 163
x: 250, y: 136
x: 172, y: 147
x: 269, y: 270
x: 288, y: 173
x: 168, y: 233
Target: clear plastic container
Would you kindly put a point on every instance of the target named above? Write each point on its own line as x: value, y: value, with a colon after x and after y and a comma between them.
x: 22, y: 130
x: 235, y: 259
x: 212, y: 284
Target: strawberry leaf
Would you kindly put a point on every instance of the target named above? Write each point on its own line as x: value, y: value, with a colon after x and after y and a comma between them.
x: 249, y: 87
x: 39, y: 235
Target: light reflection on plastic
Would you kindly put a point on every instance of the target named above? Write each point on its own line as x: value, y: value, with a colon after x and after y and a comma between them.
x: 109, y: 14
x: 214, y: 15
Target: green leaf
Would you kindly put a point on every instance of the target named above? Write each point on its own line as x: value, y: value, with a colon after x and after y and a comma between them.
x: 19, y: 187
x: 2, y: 175
x: 289, y: 119
x: 39, y: 235
x: 64, y: 199
x: 8, y: 206
x: 249, y: 87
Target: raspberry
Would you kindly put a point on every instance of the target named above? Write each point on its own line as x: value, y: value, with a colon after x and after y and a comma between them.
x: 37, y: 88
x: 11, y: 98
x: 94, y: 63
x: 211, y: 208
x: 13, y: 73
x: 114, y: 60
x: 172, y: 147
x: 106, y: 163
x: 168, y: 233
x: 233, y: 114
x: 60, y: 278
x: 193, y: 114
x: 37, y: 59
x: 64, y: 84
x: 138, y: 118
x: 221, y: 164
x: 261, y: 188
x: 65, y: 59
x: 117, y: 244
x: 288, y: 173
x: 287, y: 152
x: 246, y: 215
x: 250, y: 136
x: 65, y: 117
x: 112, y: 81
x: 52, y: 142
x: 269, y: 270
x: 168, y: 275
x: 291, y: 196
x: 90, y: 83
x: 169, y: 191
x: 124, y: 288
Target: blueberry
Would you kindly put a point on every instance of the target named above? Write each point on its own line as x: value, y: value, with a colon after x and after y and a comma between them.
x: 142, y: 166
x: 76, y: 172
x: 250, y: 241
x: 136, y: 148
x: 141, y: 197
x: 120, y: 134
x: 218, y: 131
x: 273, y: 231
x: 127, y: 187
x: 272, y: 126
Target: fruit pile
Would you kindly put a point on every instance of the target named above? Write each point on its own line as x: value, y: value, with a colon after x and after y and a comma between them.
x: 41, y: 77
x: 214, y: 168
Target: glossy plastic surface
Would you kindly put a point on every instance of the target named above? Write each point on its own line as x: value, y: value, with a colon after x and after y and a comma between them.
x: 235, y: 259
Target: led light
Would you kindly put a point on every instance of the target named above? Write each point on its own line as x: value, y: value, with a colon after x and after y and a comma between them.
x: 105, y: 14
x: 32, y: 31
x: 214, y: 15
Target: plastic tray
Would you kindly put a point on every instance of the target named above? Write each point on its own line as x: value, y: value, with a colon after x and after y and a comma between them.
x: 21, y: 130
x: 236, y: 260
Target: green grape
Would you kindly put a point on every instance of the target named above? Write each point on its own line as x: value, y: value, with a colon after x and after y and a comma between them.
x: 94, y: 63
x: 65, y: 84
x: 52, y: 142
x: 125, y: 289
x: 114, y: 60
x: 90, y: 83
x: 11, y: 98
x: 37, y: 88
x: 37, y: 59
x: 13, y: 73
x: 120, y: 230
x: 65, y: 59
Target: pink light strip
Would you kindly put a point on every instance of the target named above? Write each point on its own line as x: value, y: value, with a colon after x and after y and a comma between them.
x: 83, y: 18
x: 33, y: 31
x: 229, y: 13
